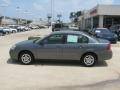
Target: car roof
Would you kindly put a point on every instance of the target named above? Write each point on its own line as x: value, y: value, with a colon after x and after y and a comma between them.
x: 68, y: 32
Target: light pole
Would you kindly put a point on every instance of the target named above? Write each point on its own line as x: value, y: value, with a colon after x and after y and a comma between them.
x: 59, y: 17
x: 18, y: 11
x: 52, y: 11
x: 26, y: 14
x: 49, y: 19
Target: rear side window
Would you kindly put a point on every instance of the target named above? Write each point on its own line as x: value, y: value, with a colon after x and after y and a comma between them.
x: 74, y: 39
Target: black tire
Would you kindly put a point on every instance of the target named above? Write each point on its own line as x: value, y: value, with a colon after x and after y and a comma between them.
x: 1, y: 34
x: 89, y: 63
x: 26, y: 58
x: 13, y: 31
x: 115, y: 42
x: 7, y: 33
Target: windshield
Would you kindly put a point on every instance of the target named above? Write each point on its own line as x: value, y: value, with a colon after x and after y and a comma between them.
x: 38, y: 40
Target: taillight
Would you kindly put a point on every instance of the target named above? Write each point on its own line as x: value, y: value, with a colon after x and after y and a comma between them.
x: 109, y: 47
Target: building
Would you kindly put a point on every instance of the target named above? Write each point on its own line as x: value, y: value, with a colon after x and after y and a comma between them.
x: 39, y: 22
x: 5, y: 20
x: 100, y: 16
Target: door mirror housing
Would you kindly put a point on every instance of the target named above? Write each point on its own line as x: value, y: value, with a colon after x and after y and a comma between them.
x: 41, y: 43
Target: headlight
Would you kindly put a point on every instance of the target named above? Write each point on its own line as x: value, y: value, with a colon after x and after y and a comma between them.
x: 13, y: 47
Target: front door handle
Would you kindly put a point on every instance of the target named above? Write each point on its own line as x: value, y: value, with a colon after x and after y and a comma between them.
x: 81, y: 46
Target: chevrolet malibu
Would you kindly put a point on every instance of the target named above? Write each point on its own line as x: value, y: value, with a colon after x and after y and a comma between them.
x: 63, y: 45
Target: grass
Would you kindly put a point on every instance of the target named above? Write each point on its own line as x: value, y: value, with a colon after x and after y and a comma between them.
x: 33, y: 37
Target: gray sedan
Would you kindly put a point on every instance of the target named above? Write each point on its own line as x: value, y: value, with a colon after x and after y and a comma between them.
x: 63, y: 45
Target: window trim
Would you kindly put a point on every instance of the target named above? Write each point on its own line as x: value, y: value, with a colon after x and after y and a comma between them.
x: 63, y: 41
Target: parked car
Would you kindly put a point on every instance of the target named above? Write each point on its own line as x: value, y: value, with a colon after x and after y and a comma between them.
x: 34, y: 27
x: 2, y: 32
x: 76, y: 28
x: 20, y: 28
x: 13, y: 26
x: 6, y: 31
x: 116, y: 29
x: 27, y: 28
x: 58, y: 27
x: 63, y: 45
x: 42, y: 26
x: 105, y: 33
x: 10, y: 30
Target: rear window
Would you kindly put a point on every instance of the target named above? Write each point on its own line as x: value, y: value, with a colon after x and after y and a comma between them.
x: 58, y: 25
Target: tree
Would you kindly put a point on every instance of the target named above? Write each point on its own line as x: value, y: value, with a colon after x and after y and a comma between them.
x: 74, y: 16
x: 78, y: 13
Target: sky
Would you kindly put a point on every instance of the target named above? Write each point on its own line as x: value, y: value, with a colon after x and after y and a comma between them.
x: 36, y: 9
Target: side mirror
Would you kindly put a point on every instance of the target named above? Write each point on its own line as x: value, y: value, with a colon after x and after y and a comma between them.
x: 41, y: 43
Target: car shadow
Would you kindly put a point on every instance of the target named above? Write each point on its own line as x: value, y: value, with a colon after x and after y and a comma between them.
x: 58, y: 63
x: 10, y: 61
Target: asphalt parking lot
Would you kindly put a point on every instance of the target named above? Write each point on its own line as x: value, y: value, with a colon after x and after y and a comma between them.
x: 55, y: 75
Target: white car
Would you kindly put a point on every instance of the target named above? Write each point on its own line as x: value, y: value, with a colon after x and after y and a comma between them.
x: 9, y: 30
x: 21, y: 28
x: 27, y: 28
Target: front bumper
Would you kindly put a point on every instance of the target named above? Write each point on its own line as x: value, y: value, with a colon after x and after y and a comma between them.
x: 13, y: 54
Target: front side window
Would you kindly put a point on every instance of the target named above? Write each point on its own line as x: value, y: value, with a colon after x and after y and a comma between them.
x: 73, y: 39
x: 54, y: 39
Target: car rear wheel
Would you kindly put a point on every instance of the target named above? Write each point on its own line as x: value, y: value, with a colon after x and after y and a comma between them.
x: 13, y: 31
x: 89, y: 60
x: 7, y: 33
x: 26, y: 58
x: 1, y: 34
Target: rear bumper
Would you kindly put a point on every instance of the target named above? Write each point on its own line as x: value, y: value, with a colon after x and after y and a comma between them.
x: 113, y: 40
x: 119, y: 37
x: 105, y: 55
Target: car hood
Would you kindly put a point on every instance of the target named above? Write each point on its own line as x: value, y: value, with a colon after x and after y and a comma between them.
x: 25, y: 43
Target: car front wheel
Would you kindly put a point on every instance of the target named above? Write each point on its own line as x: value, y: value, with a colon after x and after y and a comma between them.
x: 89, y: 60
x: 13, y: 31
x: 1, y: 34
x: 7, y: 33
x: 26, y: 58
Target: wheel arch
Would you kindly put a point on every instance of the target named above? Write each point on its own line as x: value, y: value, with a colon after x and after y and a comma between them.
x: 93, y: 53
x: 22, y: 51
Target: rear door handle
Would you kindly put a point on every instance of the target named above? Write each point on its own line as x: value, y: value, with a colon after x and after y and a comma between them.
x: 81, y: 46
x: 58, y: 46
